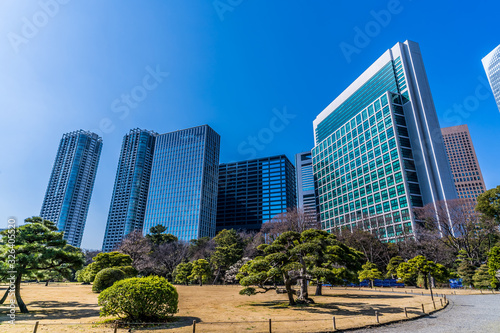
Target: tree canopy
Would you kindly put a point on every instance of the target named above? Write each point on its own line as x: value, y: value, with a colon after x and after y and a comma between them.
x: 488, y: 203
x: 294, y: 256
x: 370, y: 272
x: 38, y: 249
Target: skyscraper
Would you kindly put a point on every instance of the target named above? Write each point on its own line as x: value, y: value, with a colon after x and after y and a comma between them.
x: 491, y: 65
x: 467, y: 175
x: 378, y: 149
x: 70, y: 186
x: 253, y: 192
x: 306, y: 194
x: 183, y: 186
x: 130, y: 193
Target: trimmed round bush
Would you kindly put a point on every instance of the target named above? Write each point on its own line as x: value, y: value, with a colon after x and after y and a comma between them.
x: 106, y: 277
x: 146, y: 299
x: 129, y: 271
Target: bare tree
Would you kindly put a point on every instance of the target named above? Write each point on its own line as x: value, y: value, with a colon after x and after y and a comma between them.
x: 455, y: 224
x: 165, y: 258
x: 201, y: 248
x: 374, y: 250
x: 89, y: 254
x: 138, y: 248
x: 252, y: 240
x: 294, y: 219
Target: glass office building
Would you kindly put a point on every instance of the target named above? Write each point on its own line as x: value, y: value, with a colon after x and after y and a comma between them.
x: 253, y: 192
x: 491, y: 65
x: 306, y: 192
x: 130, y: 193
x: 378, y: 149
x: 68, y: 194
x: 183, y: 186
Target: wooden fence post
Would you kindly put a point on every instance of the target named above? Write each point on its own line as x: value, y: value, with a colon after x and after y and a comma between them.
x: 194, y: 326
x: 334, y: 324
x: 434, y: 304
x: 406, y: 312
x: 423, y: 310
x: 270, y: 328
x: 36, y: 327
x: 376, y: 317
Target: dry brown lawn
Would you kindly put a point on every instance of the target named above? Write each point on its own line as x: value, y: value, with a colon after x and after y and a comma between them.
x: 70, y: 307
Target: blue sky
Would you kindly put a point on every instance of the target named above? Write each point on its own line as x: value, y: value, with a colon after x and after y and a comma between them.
x: 243, y: 67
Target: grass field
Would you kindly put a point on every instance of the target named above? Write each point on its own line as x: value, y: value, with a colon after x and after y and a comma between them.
x: 71, y: 307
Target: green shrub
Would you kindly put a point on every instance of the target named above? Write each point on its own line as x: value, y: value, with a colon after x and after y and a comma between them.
x: 129, y: 271
x: 83, y: 275
x: 106, y: 277
x: 147, y: 299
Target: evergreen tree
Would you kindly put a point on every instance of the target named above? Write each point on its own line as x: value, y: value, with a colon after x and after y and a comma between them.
x: 37, y: 249
x: 370, y: 272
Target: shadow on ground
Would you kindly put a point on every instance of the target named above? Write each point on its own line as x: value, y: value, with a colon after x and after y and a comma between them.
x: 353, y: 308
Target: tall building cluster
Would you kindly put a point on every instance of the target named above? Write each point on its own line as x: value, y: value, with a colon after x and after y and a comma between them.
x: 378, y: 154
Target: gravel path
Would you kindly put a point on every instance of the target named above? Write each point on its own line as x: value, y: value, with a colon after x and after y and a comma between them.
x: 465, y: 313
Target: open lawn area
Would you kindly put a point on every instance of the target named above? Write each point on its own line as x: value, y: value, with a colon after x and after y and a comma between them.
x: 72, y: 307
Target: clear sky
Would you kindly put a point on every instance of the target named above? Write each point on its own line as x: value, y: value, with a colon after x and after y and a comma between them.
x: 243, y: 67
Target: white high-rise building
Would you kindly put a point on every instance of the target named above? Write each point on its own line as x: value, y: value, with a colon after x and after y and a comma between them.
x: 491, y: 65
x: 379, y: 152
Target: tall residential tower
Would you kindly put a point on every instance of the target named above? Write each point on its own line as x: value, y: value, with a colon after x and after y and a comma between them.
x: 491, y: 65
x: 183, y: 186
x: 70, y: 186
x: 253, y: 192
x: 130, y: 193
x: 378, y: 149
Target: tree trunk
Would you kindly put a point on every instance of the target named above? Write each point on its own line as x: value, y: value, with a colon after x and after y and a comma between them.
x: 304, y: 292
x: 19, y: 300
x: 425, y: 282
x: 319, y: 288
x: 371, y: 284
x: 46, y: 283
x: 5, y: 295
x: 216, y: 276
x: 288, y: 287
x: 201, y: 282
